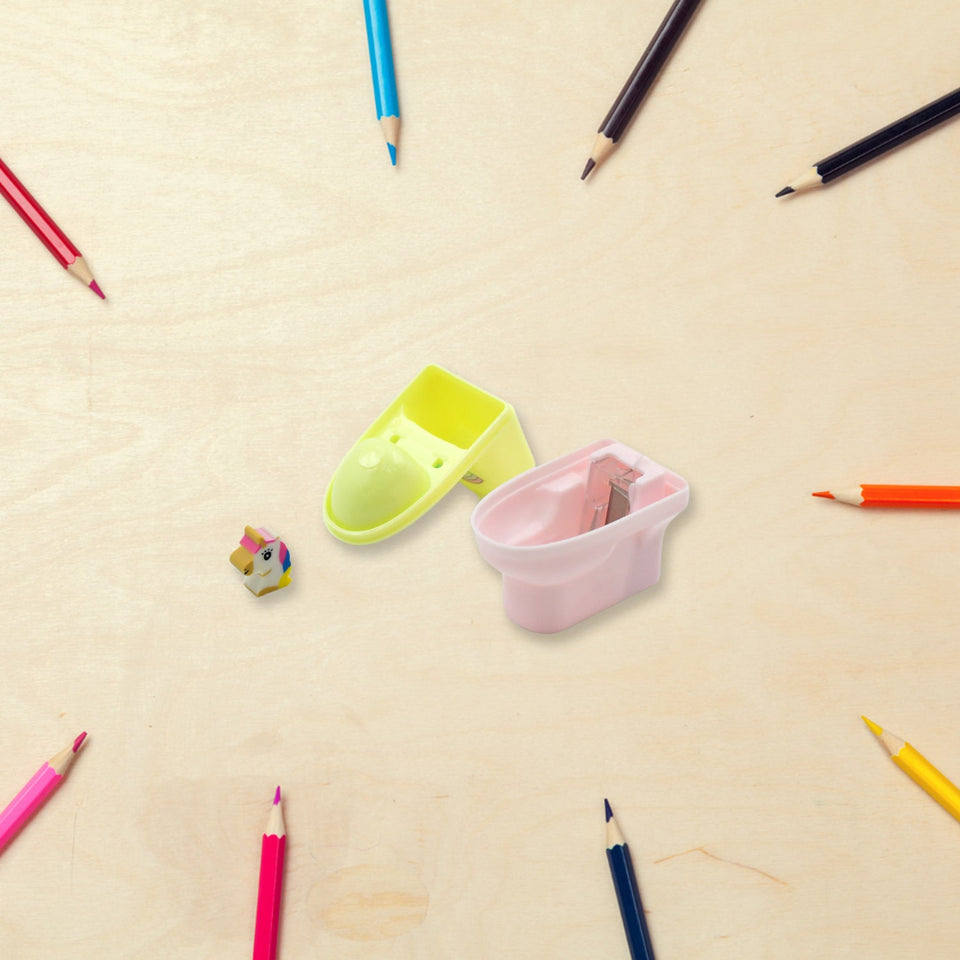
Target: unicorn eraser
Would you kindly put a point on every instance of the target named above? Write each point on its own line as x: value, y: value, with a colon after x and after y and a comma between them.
x: 579, y: 534
x: 264, y: 561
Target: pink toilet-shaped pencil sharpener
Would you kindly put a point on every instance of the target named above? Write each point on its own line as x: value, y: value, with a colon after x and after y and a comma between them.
x: 579, y: 534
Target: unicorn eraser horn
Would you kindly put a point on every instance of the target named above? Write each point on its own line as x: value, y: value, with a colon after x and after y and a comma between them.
x: 264, y: 561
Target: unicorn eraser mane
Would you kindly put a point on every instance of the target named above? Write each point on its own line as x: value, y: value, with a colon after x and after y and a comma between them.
x: 264, y: 561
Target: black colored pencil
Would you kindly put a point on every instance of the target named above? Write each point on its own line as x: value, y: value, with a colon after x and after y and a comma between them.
x: 628, y: 893
x: 640, y: 81
x: 892, y: 135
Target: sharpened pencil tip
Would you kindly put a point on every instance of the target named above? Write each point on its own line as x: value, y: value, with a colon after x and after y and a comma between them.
x: 591, y: 163
x: 826, y: 494
x: 392, y: 150
x: 79, y: 741
x: 606, y: 809
x: 276, y: 797
x: 95, y: 287
x: 875, y: 728
x: 784, y: 192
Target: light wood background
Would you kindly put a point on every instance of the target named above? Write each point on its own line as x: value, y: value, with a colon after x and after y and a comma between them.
x: 273, y: 283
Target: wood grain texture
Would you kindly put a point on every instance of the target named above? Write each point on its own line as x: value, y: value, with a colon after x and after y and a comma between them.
x: 273, y: 284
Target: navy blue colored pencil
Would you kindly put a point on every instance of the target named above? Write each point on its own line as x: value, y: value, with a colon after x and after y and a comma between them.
x: 628, y: 893
x: 384, y: 78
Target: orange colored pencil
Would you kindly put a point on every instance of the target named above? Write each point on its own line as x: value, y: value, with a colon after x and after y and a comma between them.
x: 893, y: 495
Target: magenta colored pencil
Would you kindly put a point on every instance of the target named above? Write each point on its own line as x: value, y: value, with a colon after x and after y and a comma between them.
x: 271, y: 884
x: 42, y: 224
x: 36, y: 792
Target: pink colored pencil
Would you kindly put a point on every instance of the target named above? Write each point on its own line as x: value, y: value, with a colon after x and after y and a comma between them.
x: 41, y: 223
x: 36, y: 792
x: 271, y: 884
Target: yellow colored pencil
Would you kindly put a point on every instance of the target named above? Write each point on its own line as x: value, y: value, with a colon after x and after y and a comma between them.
x: 919, y: 769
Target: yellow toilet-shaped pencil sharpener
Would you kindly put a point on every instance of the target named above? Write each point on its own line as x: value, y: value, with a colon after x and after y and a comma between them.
x: 438, y: 431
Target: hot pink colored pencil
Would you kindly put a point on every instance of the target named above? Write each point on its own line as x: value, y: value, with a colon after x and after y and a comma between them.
x: 33, y: 796
x: 41, y: 223
x: 271, y: 884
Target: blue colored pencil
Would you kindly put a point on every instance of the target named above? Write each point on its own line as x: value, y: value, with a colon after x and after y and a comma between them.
x: 628, y: 893
x: 384, y: 79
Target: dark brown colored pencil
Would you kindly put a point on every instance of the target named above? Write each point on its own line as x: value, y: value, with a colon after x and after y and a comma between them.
x: 639, y: 82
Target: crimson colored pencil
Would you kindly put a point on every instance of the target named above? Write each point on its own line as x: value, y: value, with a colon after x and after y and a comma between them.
x: 42, y: 224
x: 36, y: 792
x: 894, y: 495
x: 271, y: 884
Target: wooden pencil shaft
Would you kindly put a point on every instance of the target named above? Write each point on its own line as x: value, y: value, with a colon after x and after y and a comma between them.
x: 893, y: 495
x: 628, y: 899
x: 25, y: 804
x: 267, y: 927
x: 927, y: 776
x: 381, y: 58
x: 647, y: 68
x: 36, y: 218
x: 890, y: 136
